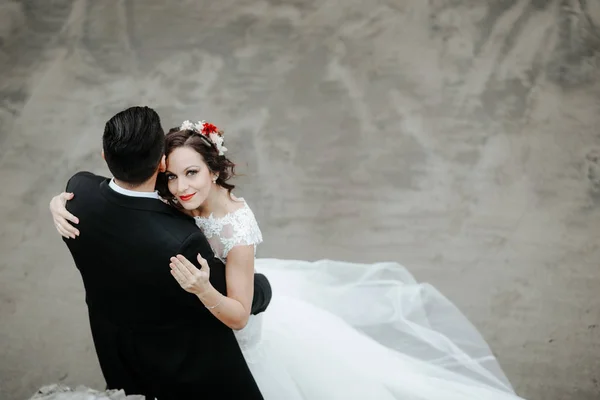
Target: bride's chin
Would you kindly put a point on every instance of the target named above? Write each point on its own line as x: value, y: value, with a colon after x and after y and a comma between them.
x: 191, y: 207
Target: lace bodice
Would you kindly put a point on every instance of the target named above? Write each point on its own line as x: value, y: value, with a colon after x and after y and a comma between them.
x: 238, y: 228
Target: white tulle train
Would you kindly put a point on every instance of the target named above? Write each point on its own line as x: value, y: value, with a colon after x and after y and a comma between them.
x: 338, y: 330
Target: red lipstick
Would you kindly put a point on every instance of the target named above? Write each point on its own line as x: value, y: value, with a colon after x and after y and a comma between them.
x: 187, y: 197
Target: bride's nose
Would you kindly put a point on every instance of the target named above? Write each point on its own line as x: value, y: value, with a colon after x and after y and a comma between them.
x: 182, y: 185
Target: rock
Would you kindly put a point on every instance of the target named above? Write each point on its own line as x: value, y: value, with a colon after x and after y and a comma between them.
x: 62, y: 392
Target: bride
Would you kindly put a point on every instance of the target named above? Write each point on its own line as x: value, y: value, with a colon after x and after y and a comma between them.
x: 333, y: 330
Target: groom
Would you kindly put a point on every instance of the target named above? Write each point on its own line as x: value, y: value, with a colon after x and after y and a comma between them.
x: 151, y: 337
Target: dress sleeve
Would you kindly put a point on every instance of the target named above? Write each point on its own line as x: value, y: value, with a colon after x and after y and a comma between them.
x: 241, y: 229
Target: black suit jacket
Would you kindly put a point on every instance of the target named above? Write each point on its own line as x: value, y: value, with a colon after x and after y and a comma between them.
x: 151, y: 336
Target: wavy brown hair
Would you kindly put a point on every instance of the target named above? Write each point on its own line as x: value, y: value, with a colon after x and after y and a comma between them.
x: 220, y: 165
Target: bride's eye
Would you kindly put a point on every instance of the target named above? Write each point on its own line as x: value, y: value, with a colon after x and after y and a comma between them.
x: 191, y: 172
x: 170, y: 177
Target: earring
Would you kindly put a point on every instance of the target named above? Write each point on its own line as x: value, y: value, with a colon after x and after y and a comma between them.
x: 215, y: 179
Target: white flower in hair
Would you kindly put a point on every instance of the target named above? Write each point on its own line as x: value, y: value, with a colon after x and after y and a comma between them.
x: 218, y: 141
x: 208, y: 130
x: 187, y: 126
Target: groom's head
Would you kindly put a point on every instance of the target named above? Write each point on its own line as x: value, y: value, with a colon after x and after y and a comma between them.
x: 133, y: 145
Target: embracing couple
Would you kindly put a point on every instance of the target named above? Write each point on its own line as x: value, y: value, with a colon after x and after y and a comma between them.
x: 178, y: 310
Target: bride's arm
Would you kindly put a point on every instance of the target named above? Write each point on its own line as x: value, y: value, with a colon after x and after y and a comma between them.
x: 234, y: 309
x: 238, y: 241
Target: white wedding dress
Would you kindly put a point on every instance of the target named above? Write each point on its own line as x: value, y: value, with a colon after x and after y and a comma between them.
x: 339, y: 330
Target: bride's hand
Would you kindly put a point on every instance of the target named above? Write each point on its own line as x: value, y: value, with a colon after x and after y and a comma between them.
x: 190, y: 278
x: 61, y: 216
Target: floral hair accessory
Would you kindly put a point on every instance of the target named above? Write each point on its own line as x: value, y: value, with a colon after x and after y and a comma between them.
x: 208, y: 130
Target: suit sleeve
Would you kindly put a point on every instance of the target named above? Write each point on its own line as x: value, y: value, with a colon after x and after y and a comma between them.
x: 197, y: 243
x: 194, y: 244
x: 262, y: 294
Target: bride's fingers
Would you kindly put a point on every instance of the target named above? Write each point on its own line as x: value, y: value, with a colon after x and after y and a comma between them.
x: 58, y: 207
x: 63, y: 213
x: 61, y: 229
x: 191, y: 268
x: 70, y: 217
x: 203, y: 263
x: 66, y: 196
x: 204, y: 268
x: 63, y: 233
x: 67, y: 215
x: 182, y: 269
x: 177, y: 275
x: 63, y: 226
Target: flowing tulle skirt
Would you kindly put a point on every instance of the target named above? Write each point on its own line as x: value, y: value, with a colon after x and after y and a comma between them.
x: 338, y: 330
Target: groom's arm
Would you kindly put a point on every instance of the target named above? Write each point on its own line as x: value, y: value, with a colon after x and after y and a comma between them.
x: 262, y: 294
x: 197, y: 243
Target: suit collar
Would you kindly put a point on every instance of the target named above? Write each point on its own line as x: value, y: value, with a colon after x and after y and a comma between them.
x: 138, y: 203
x: 131, y: 193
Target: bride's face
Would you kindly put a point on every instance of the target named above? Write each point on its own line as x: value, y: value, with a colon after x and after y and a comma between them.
x: 189, y: 178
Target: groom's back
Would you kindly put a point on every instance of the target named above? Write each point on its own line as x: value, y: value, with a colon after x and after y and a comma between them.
x: 123, y: 254
x: 151, y: 336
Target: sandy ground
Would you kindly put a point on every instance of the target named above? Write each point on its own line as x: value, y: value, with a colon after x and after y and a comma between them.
x: 457, y: 138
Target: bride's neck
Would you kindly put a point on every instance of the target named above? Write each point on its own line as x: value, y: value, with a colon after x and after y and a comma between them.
x: 216, y: 203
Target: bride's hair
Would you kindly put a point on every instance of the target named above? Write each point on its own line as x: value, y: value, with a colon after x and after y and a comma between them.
x: 218, y: 164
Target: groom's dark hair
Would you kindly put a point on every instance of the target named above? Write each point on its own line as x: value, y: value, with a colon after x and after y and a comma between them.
x: 133, y: 144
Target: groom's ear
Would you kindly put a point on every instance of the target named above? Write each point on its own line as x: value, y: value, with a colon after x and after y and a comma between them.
x: 162, y: 167
x: 104, y: 158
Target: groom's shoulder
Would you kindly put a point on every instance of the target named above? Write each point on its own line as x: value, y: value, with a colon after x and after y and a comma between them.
x: 83, y: 178
x: 176, y: 225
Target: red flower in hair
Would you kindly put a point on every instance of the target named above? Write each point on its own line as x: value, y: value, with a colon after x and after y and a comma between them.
x: 208, y: 128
